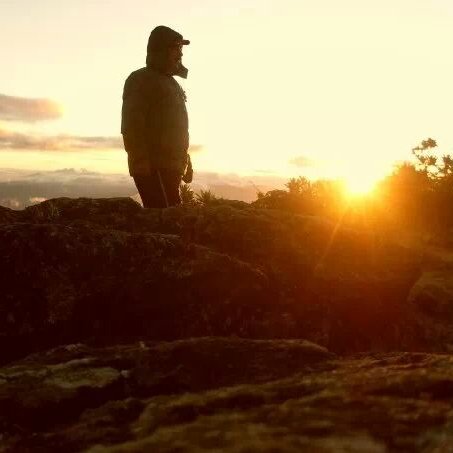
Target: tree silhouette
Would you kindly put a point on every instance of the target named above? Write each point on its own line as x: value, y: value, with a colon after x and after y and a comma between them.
x: 435, y: 166
x: 299, y: 186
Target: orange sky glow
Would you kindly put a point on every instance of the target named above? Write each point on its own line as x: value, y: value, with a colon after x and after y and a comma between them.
x: 287, y: 88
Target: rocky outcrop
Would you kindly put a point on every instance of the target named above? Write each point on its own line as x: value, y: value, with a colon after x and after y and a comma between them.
x: 8, y: 215
x: 433, y: 293
x: 218, y: 394
x: 124, y: 329
x: 64, y: 284
x: 66, y: 384
x: 86, y: 268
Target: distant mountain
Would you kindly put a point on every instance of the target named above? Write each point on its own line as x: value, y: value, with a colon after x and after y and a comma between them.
x: 19, y: 189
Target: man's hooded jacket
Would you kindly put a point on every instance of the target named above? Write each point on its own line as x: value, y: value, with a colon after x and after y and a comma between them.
x: 154, y: 120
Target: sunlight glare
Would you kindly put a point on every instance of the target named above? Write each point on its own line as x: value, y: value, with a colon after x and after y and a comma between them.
x: 359, y: 185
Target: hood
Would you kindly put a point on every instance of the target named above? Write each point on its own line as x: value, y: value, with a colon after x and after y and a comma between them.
x: 160, y: 39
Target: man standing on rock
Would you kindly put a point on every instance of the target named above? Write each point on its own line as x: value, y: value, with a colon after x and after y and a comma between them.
x: 154, y: 122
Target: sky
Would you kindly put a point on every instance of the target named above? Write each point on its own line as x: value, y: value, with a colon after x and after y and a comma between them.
x: 322, y: 88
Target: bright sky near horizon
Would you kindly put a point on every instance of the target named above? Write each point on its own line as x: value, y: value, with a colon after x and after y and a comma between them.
x: 322, y: 88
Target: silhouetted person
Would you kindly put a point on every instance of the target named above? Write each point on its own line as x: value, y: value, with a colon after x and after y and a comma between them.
x: 155, y: 122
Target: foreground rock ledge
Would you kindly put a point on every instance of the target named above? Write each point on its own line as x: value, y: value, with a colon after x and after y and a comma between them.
x: 76, y: 269
x: 229, y: 395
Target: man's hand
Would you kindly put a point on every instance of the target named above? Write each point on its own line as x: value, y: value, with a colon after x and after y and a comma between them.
x: 188, y: 175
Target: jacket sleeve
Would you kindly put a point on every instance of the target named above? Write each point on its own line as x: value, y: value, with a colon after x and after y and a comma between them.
x: 133, y: 117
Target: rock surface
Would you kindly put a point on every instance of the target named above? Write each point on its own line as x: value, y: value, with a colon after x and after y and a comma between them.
x: 62, y: 283
x: 232, y: 395
x: 102, y: 268
x: 180, y: 330
x: 433, y: 293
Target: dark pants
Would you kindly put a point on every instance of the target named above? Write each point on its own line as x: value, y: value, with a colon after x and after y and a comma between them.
x: 160, y: 189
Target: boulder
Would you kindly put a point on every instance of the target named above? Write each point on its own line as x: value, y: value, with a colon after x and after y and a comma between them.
x: 64, y: 284
x: 433, y: 293
x: 8, y: 215
x: 107, y: 212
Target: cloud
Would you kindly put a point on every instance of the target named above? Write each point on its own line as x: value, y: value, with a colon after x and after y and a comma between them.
x: 19, y: 141
x: 11, y: 140
x: 12, y: 203
x: 34, y: 200
x: 303, y: 162
x: 27, y: 109
x: 19, y: 188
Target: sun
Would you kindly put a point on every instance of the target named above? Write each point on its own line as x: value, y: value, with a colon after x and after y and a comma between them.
x: 359, y: 185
